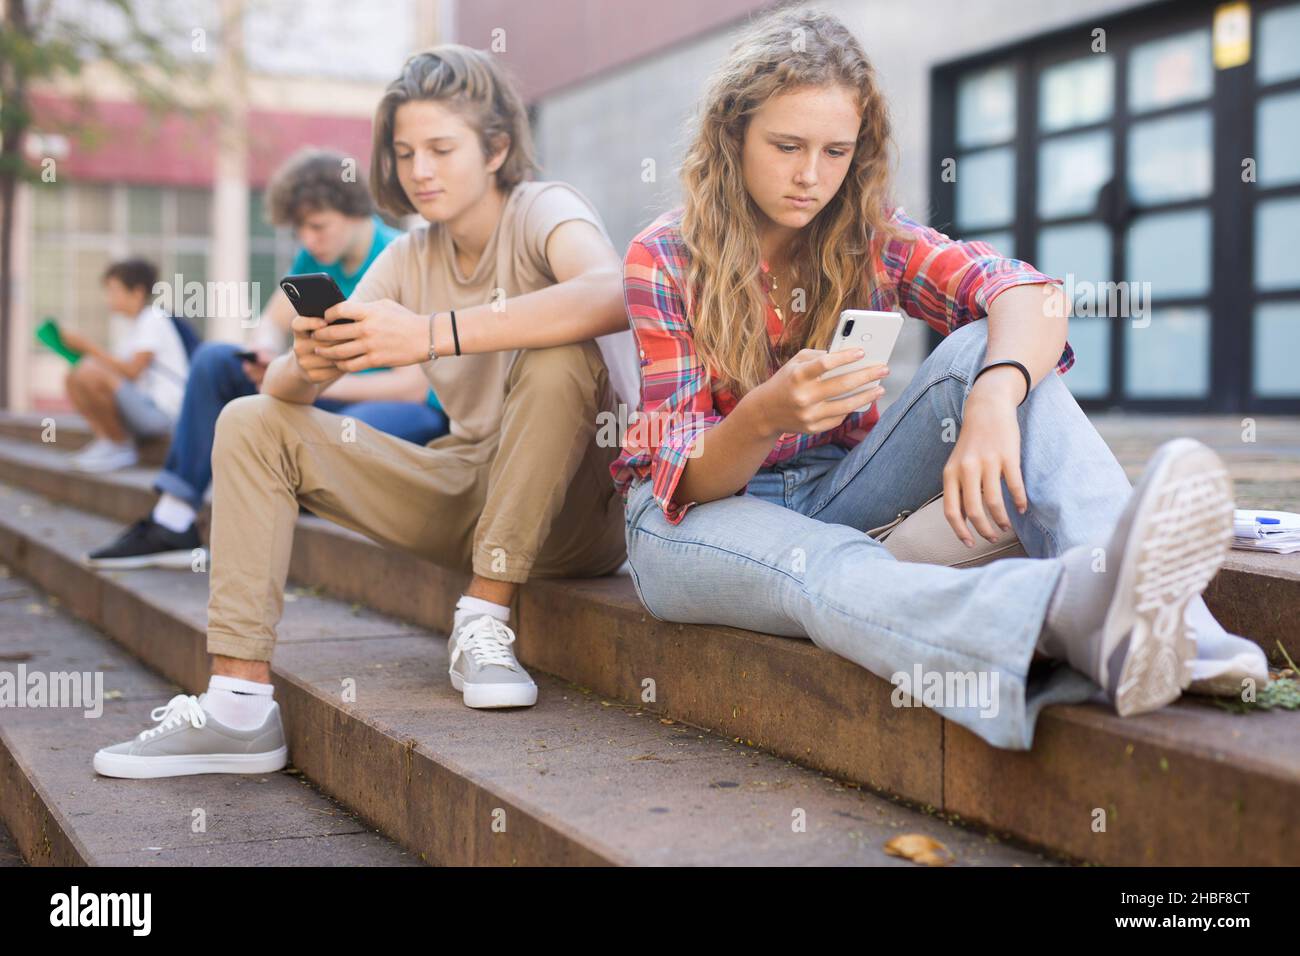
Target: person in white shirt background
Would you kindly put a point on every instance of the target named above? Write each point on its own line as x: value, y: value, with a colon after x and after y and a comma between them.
x: 134, y: 391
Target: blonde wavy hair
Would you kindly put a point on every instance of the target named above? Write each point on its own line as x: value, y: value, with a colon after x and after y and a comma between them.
x: 783, y: 52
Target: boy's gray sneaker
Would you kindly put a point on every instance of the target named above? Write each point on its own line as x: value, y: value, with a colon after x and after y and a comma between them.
x: 484, y: 667
x: 189, y: 740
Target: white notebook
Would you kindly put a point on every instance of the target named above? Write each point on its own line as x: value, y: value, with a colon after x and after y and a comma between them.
x: 1276, y: 531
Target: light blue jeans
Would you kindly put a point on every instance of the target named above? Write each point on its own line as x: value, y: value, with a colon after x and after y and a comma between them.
x: 789, y: 557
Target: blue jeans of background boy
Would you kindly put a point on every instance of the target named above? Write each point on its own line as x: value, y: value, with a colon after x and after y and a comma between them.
x: 789, y: 556
x: 217, y: 377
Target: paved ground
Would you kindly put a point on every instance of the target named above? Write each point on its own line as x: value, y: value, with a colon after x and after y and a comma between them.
x: 1262, y: 452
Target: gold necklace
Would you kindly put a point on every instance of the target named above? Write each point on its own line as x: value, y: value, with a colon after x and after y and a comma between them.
x: 780, y: 316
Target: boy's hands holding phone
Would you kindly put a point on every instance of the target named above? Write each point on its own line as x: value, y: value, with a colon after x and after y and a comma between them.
x: 381, y: 334
x: 314, y: 368
x: 333, y: 335
x: 795, y: 400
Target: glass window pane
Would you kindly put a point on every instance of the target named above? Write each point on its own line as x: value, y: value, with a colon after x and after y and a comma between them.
x: 193, y: 212
x: 50, y: 281
x: 48, y: 214
x: 192, y: 266
x: 1089, y: 377
x: 1071, y: 171
x: 1170, y: 158
x: 1080, y: 254
x: 1171, y: 70
x: 1278, y: 136
x: 1277, y: 343
x: 986, y: 189
x: 143, y: 211
x: 1277, y: 266
x: 91, y: 316
x: 258, y: 227
x: 1279, y: 44
x: 1076, y: 93
x: 1169, y: 357
x: 1170, y: 250
x: 262, y: 271
x: 93, y: 209
x: 986, y: 107
x: 1002, y: 241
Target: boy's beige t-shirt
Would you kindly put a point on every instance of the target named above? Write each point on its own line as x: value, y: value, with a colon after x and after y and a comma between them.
x: 419, y: 271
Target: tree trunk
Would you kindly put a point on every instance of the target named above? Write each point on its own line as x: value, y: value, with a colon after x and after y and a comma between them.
x: 13, y: 93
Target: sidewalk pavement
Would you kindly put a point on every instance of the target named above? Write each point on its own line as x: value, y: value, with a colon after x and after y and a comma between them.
x: 1265, y: 464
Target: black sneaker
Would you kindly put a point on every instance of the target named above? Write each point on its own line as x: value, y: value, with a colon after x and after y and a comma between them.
x: 147, y: 544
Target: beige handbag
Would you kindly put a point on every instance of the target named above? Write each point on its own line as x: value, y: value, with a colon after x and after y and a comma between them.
x: 925, y: 536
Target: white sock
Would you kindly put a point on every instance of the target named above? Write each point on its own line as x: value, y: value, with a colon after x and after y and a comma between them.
x: 1077, y: 611
x: 173, y: 513
x: 238, y: 703
x: 468, y: 607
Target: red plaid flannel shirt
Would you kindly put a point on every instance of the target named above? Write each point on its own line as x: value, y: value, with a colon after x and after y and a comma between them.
x: 944, y: 282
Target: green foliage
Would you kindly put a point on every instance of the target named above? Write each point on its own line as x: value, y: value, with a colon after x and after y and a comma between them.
x: 37, y: 46
x: 1282, y: 691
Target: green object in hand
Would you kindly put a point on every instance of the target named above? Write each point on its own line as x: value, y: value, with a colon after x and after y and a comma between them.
x: 47, y: 333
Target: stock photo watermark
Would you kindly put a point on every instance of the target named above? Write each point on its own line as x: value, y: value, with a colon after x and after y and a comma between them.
x: 957, y: 690
x: 211, y: 299
x: 83, y: 690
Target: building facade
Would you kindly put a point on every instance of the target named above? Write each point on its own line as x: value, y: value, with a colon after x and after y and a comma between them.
x: 183, y: 190
x: 1147, y: 153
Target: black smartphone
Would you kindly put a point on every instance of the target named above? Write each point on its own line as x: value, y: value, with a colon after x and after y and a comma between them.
x: 313, y: 293
x: 247, y: 357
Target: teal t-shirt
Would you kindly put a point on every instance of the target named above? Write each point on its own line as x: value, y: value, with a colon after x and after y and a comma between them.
x: 305, y: 262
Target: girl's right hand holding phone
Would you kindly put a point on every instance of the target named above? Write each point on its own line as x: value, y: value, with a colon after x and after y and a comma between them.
x: 795, y: 400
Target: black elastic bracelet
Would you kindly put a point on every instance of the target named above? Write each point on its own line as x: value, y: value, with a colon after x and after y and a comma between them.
x: 1029, y: 382
x: 455, y: 336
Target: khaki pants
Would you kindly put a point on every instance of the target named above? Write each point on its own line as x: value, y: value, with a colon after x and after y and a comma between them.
x: 536, y: 498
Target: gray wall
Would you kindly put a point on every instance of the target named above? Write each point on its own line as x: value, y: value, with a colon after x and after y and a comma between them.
x: 598, y: 135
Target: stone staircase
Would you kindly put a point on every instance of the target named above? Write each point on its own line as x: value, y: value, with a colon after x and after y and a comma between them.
x: 755, y: 749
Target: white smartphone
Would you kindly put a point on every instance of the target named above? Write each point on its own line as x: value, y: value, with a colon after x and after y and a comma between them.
x: 873, y: 332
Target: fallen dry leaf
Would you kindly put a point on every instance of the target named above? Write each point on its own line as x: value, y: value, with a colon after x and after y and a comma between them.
x: 919, y: 848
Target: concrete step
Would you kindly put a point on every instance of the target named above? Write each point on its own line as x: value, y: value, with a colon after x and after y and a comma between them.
x: 68, y: 432
x: 575, y: 780
x: 63, y: 814
x: 1159, y: 777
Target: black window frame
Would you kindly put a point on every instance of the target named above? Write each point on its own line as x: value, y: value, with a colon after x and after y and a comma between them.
x: 1232, y: 203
